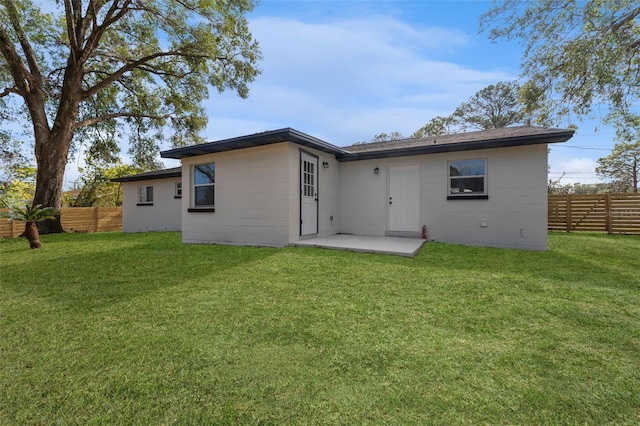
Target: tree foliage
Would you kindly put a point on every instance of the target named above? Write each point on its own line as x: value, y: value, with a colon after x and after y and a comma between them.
x: 494, y: 107
x: 578, y: 54
x: 622, y: 166
x: 20, y: 186
x: 556, y: 188
x: 95, y: 187
x: 96, y: 70
x: 383, y: 137
x: 438, y: 126
x: 12, y: 160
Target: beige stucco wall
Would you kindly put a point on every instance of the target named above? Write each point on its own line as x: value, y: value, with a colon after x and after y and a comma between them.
x: 162, y: 215
x: 257, y: 197
x: 516, y: 211
x: 251, y: 198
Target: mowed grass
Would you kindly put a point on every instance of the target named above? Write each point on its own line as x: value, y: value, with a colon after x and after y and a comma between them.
x: 140, y: 329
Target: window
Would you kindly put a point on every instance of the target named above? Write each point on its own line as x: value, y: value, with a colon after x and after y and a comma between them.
x: 308, y: 176
x: 468, y: 179
x: 178, y: 193
x: 145, y: 195
x: 204, y: 181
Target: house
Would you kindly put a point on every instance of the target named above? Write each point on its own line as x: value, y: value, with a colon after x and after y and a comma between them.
x: 152, y: 201
x: 274, y: 188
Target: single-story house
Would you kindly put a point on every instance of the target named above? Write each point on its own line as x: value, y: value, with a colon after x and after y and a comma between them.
x: 152, y: 201
x: 277, y: 187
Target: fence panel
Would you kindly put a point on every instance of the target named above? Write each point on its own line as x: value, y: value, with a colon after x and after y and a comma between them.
x: 625, y: 213
x: 612, y: 213
x: 74, y: 219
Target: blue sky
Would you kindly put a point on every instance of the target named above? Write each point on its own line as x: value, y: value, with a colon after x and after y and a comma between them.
x: 344, y: 71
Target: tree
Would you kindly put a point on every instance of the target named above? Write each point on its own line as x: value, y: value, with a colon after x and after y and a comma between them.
x: 578, y: 55
x: 555, y: 188
x: 383, y: 137
x: 96, y: 188
x: 99, y: 69
x: 31, y: 215
x: 494, y: 107
x: 13, y: 163
x: 438, y: 126
x: 623, y: 166
x: 20, y: 187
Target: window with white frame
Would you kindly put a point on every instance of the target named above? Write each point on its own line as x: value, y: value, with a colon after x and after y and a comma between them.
x: 145, y: 194
x: 178, y: 191
x: 468, y: 178
x: 204, y: 182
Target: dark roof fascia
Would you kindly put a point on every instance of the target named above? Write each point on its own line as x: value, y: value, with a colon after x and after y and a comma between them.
x: 558, y: 137
x: 160, y: 174
x: 257, y: 139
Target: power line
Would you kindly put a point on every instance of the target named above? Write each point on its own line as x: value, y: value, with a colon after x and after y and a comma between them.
x: 573, y: 174
x: 584, y: 147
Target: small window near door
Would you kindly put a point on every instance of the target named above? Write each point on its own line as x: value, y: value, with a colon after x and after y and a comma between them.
x: 145, y: 195
x: 308, y: 183
x: 468, y: 179
x: 178, y: 191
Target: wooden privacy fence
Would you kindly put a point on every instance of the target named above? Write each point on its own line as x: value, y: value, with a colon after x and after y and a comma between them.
x: 612, y: 213
x: 74, y: 219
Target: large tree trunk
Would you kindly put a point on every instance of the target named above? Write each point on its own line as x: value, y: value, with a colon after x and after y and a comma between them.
x: 52, y: 149
x: 52, y: 160
x: 49, y: 181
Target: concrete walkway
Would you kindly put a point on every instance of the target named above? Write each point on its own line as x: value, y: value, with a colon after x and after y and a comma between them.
x: 383, y: 245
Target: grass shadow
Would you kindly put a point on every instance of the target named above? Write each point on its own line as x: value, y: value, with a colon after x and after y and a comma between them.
x: 105, y: 268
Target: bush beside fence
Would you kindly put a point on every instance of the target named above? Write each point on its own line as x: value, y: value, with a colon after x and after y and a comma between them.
x: 74, y: 219
x: 612, y: 213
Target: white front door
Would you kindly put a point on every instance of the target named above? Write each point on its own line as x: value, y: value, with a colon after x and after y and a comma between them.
x: 308, y: 194
x: 404, y: 199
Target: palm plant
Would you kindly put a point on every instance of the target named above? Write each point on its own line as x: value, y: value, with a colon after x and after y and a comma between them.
x: 31, y: 215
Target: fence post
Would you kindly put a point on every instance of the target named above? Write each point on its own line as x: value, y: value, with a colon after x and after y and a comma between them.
x: 96, y: 218
x: 569, y: 219
x: 607, y: 211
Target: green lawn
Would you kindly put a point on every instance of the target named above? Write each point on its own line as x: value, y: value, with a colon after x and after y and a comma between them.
x: 140, y: 329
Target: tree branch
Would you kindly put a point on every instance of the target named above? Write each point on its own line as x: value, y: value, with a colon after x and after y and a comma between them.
x: 19, y: 71
x: 30, y: 55
x: 92, y: 12
x: 99, y: 30
x: 130, y: 66
x: 8, y: 90
x: 95, y: 120
x: 627, y: 18
x: 71, y: 29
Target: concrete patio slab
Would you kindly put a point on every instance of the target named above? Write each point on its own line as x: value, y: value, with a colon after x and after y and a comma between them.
x: 384, y: 245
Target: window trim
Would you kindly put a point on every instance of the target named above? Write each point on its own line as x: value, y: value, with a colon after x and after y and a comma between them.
x: 192, y: 204
x: 146, y: 201
x: 471, y: 195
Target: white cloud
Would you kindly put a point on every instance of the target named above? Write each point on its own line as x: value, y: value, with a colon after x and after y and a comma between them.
x: 349, y: 79
x: 346, y: 79
x: 575, y: 170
